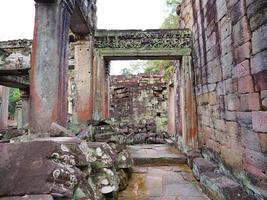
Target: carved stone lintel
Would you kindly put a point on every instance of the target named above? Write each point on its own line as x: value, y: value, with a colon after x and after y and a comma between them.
x: 148, y: 39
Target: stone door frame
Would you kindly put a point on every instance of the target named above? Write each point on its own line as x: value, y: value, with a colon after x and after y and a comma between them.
x: 126, y: 45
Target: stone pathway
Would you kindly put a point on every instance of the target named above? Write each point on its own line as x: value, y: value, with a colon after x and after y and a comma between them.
x: 160, y: 180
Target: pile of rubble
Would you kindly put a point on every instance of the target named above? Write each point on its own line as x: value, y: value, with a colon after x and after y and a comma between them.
x: 60, y: 165
x: 143, y: 132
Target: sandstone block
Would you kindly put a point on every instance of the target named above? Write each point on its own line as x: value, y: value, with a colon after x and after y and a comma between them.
x: 260, y: 80
x: 227, y: 65
x: 259, y: 121
x: 225, y: 26
x: 201, y: 165
x: 232, y: 128
x: 244, y: 118
x: 242, y: 69
x: 38, y: 167
x: 242, y: 52
x: 259, y: 39
x: 255, y: 163
x: 250, y: 139
x: 221, y: 8
x: 232, y: 102
x: 191, y: 156
x: 263, y: 142
x: 226, y: 45
x: 250, y: 102
x: 238, y: 11
x: 241, y: 32
x: 220, y: 125
x: 259, y: 62
x: 245, y: 84
x: 222, y: 186
x: 231, y: 3
x: 59, y: 131
x: 257, y: 13
x: 231, y: 85
x: 230, y: 116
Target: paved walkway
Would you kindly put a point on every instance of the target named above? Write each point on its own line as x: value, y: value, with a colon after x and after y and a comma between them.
x: 157, y: 181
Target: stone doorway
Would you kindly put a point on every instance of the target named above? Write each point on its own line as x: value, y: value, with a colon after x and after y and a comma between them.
x: 112, y: 45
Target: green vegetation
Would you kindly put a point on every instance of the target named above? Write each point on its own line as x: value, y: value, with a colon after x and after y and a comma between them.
x: 135, y: 68
x: 170, y: 22
x: 156, y: 66
x: 14, y: 97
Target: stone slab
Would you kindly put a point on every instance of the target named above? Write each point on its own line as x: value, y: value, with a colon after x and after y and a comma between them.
x: 156, y: 155
x: 162, y: 183
x: 222, y: 187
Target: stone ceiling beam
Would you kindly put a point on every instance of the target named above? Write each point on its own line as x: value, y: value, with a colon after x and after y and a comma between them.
x: 21, y: 82
x: 83, y: 19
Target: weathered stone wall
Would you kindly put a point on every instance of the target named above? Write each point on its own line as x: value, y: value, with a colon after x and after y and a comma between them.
x: 139, y: 98
x: 230, y: 67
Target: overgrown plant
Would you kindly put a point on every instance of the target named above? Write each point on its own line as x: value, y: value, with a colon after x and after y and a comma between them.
x: 14, y: 97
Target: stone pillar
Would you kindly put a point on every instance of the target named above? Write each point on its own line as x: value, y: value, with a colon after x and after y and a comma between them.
x: 99, y: 87
x: 4, y: 101
x: 48, y: 78
x: 83, y: 80
x: 171, y: 109
x: 19, y: 114
x: 25, y: 106
x: 189, y: 139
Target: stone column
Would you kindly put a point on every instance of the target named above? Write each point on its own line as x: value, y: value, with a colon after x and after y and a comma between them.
x: 48, y: 78
x: 83, y: 79
x: 171, y: 109
x: 25, y: 108
x: 99, y: 87
x: 19, y: 114
x: 189, y: 138
x: 4, y: 101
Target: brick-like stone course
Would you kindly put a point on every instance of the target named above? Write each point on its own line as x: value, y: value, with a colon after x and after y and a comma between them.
x: 231, y: 37
x: 139, y: 99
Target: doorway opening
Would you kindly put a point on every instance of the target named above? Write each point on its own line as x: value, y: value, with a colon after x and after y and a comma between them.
x: 139, y: 99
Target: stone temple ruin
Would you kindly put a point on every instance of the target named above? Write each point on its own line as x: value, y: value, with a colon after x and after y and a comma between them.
x: 83, y: 134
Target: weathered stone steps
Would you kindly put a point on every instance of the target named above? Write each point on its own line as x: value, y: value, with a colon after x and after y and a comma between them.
x: 156, y: 155
x: 216, y: 185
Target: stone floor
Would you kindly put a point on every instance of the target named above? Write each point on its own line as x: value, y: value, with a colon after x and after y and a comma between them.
x: 161, y: 181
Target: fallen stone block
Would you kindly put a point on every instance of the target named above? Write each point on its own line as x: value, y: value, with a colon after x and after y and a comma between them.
x: 37, y: 167
x: 104, y: 137
x: 29, y: 197
x: 103, y: 155
x: 221, y: 187
x: 59, y: 131
x: 201, y: 165
x: 191, y: 156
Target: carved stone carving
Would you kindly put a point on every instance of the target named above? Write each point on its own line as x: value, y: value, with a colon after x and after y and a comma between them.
x: 148, y: 39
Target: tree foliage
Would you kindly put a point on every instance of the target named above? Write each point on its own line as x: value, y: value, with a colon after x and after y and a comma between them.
x: 14, y: 97
x: 136, y: 67
x: 170, y: 22
x: 126, y: 71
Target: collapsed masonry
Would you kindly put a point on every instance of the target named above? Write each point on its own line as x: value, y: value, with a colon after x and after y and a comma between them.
x: 218, y: 94
x: 138, y: 104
